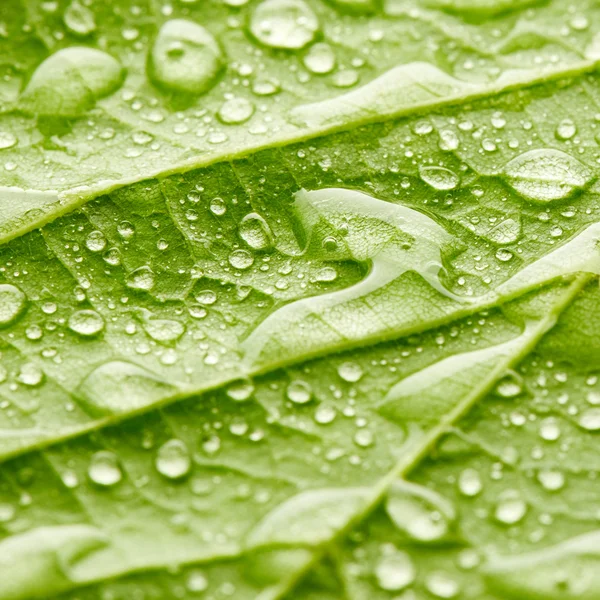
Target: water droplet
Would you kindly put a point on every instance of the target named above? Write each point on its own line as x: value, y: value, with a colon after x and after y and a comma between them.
x: 12, y: 303
x: 350, y: 372
x: 364, y: 438
x: 550, y: 429
x: 104, y: 469
x: 325, y: 414
x: 319, y: 59
x: 287, y: 24
x: 173, y: 459
x: 551, y: 480
x: 439, y: 178
x: 185, y: 57
x: 255, y: 231
x: 589, y: 419
x: 86, y: 323
x: 545, y: 175
x: 395, y: 571
x: 218, y: 207
x: 95, y: 241
x: 469, y: 483
x: 299, y: 392
x: 69, y: 82
x: 241, y: 259
x: 196, y: 582
x: 206, y: 297
x: 421, y: 513
x: 126, y: 230
x: 565, y: 130
x: 141, y: 279
x: 510, y: 508
x: 164, y: 330
x: 7, y: 140
x: 235, y: 111
x: 448, y: 140
x: 79, y: 19
x: 240, y: 390
x: 510, y: 386
x: 30, y: 374
x: 442, y: 585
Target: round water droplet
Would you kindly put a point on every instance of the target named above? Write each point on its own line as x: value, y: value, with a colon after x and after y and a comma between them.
x: 510, y: 508
x: 12, y: 303
x: 86, y: 323
x: 255, y: 231
x: 79, y: 19
x: 206, y: 297
x: 69, y: 82
x: 510, y: 386
x: 395, y: 571
x: 30, y: 374
x: 565, y: 130
x: 95, y: 241
x: 448, y: 140
x: 469, y: 483
x: 287, y: 24
x: 439, y: 178
x: 319, y: 59
x: 173, y: 459
x: 442, y: 585
x: 235, y: 111
x: 325, y: 414
x: 350, y: 372
x: 196, y: 582
x: 218, y: 207
x: 164, y: 330
x: 104, y: 469
x: 241, y: 259
x: 126, y: 230
x: 590, y: 419
x: 240, y: 390
x: 185, y: 57
x: 550, y: 429
x: 7, y: 140
x: 551, y: 480
x: 364, y: 438
x: 141, y: 279
x: 299, y: 392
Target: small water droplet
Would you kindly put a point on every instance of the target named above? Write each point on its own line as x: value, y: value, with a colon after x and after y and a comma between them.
x: 79, y: 19
x: 255, y: 231
x: 30, y: 374
x: 395, y: 571
x: 442, y: 585
x: 299, y: 392
x: 86, y: 323
x: 104, y: 469
x: 439, y: 178
x: 565, y: 130
x: 241, y: 259
x: 589, y: 419
x: 240, y: 390
x: 319, y: 59
x: 510, y: 508
x: 235, y: 111
x: 510, y: 386
x: 12, y: 303
x: 469, y: 483
x: 141, y: 279
x: 7, y: 140
x: 325, y: 414
x: 173, y: 459
x: 196, y: 582
x: 551, y: 480
x: 95, y: 241
x: 350, y: 372
x: 218, y: 207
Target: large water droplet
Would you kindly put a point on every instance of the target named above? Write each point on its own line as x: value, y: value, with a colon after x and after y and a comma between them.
x: 104, y: 469
x: 421, y: 513
x: 141, y: 279
x: 319, y: 59
x: 86, y: 323
x: 69, y: 82
x: 439, y: 178
x: 395, y: 571
x: 288, y: 24
x: 173, y: 459
x: 546, y: 174
x: 255, y: 231
x: 121, y: 387
x: 589, y: 419
x: 12, y: 303
x: 185, y: 57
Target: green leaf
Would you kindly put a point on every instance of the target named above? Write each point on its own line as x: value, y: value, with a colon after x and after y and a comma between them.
x: 298, y: 299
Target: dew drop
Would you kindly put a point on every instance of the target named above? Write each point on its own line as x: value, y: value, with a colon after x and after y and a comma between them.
x: 448, y: 140
x: 104, y: 469
x: 350, y: 372
x: 551, y: 480
x: 441, y: 585
x: 286, y: 24
x: 241, y: 259
x: 510, y: 386
x: 12, y: 303
x: 240, y: 390
x: 439, y: 178
x: 79, y: 19
x: 510, y: 508
x: 395, y: 571
x: 164, y: 330
x: 325, y: 414
x: 206, y: 297
x: 173, y: 459
x: 469, y: 483
x: 255, y: 231
x: 69, y: 82
x: 235, y: 111
x: 549, y: 429
x: 126, y: 230
x: 30, y: 374
x: 7, y: 140
x: 141, y: 279
x: 589, y: 419
x: 565, y: 130
x: 218, y: 207
x: 86, y: 323
x: 185, y: 57
x: 196, y: 582
x: 299, y: 392
x: 364, y: 438
x: 95, y: 241
x: 319, y: 59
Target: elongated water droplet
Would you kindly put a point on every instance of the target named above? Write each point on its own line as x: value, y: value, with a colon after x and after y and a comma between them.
x: 439, y: 178
x: 546, y: 175
x: 185, y: 57
x: 116, y: 387
x: 469, y: 483
x: 12, y: 303
x: 69, y: 82
x: 287, y: 24
x: 255, y: 231
x: 419, y: 512
x: 173, y: 459
x: 104, y: 469
x: 86, y: 323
